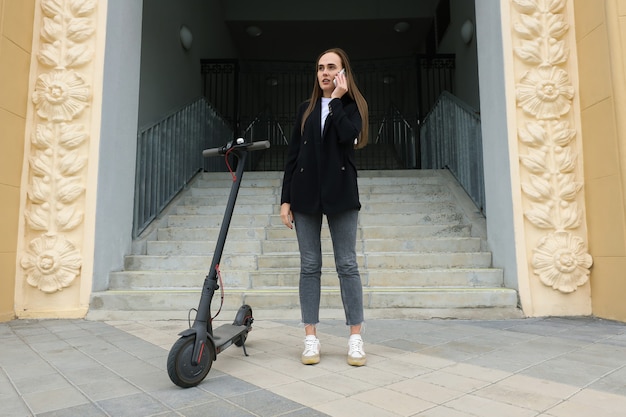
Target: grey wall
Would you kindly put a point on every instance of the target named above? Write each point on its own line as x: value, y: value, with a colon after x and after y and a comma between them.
x: 466, y: 74
x: 170, y: 75
x: 146, y: 74
x: 118, y: 138
x: 499, y: 202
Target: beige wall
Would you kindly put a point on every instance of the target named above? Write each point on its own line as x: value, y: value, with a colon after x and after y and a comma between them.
x: 601, y: 44
x: 16, y: 27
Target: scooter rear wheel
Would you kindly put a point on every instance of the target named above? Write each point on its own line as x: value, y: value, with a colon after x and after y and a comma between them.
x: 243, y: 318
x: 179, y: 367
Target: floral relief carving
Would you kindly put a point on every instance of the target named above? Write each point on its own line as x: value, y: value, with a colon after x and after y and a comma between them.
x: 60, y: 95
x: 58, y: 159
x: 51, y: 263
x: 562, y: 262
x: 545, y: 93
x: 552, y: 187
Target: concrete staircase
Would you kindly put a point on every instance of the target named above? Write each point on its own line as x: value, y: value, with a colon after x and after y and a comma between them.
x: 420, y: 245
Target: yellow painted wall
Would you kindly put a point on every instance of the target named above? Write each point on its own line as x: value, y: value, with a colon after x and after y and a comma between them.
x: 16, y: 34
x: 601, y: 45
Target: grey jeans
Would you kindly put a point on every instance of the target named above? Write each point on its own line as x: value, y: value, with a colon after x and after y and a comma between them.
x: 343, y: 233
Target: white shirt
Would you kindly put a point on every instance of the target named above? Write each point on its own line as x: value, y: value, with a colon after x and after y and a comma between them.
x: 325, y: 110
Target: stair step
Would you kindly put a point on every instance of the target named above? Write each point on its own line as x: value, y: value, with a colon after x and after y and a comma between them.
x: 382, y: 207
x: 254, y: 207
x: 287, y: 298
x: 449, y: 244
x: 409, y: 219
x: 422, y: 245
x: 203, y: 233
x: 289, y: 277
x: 203, y: 248
x: 252, y: 220
x: 419, y: 254
x: 187, y: 262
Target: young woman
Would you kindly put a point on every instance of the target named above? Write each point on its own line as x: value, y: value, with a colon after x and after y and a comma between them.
x: 321, y: 179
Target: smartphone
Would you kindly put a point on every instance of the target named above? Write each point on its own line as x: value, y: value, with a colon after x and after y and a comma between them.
x: 343, y: 71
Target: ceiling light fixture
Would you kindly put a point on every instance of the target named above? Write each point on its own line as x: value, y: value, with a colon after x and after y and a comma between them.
x: 401, y: 27
x: 467, y: 31
x: 254, y: 31
x: 186, y: 37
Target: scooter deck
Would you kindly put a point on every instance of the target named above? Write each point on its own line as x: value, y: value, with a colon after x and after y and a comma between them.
x: 226, y: 334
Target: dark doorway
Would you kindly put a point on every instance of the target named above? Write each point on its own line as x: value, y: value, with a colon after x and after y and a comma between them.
x: 259, y: 100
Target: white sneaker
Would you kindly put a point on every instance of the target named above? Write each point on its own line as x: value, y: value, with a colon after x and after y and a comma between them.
x: 311, y: 354
x: 356, y: 354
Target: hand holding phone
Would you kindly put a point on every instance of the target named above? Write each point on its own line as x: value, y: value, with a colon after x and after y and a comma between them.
x: 343, y: 71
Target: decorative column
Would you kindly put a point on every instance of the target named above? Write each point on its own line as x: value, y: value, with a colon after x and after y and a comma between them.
x: 55, y: 250
x: 549, y: 151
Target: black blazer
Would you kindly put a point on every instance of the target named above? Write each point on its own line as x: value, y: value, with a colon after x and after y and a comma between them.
x: 320, y: 172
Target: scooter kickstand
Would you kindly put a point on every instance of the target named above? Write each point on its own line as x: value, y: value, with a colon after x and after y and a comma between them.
x: 245, y: 352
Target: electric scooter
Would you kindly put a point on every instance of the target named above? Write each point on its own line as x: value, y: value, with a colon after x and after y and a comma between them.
x: 192, y: 355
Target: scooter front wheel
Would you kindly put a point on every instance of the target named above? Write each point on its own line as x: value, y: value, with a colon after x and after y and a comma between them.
x: 179, y: 367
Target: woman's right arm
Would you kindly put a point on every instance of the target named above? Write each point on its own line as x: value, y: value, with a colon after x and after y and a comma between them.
x: 286, y: 215
x: 292, y: 156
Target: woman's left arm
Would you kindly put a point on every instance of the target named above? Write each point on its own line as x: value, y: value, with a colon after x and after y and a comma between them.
x: 346, y: 119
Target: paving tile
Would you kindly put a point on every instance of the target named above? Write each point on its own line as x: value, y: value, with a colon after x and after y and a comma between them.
x: 13, y: 406
x: 400, y: 367
x: 83, y: 410
x: 484, y: 407
x: 151, y: 381
x: 304, y: 412
x: 341, y: 384
x: 427, y: 361
x: 89, y: 373
x: 307, y: 394
x: 265, y: 404
x: 107, y: 388
x: 54, y: 399
x: 614, y: 383
x: 178, y: 398
x: 517, y: 396
x: 477, y: 372
x: 268, y: 378
x: 394, y: 401
x: 426, y: 391
x: 443, y: 412
x: 38, y: 383
x: 604, y: 400
x: 453, y: 381
x: 574, y: 409
x: 226, y: 386
x: 371, y: 375
x: 132, y: 405
x: 349, y: 407
x: 567, y: 371
x: 291, y: 367
x: 219, y: 408
x: 539, y: 386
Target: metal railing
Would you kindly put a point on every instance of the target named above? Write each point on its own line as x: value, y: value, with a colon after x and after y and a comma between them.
x: 450, y: 138
x: 267, y: 127
x: 394, y: 145
x: 396, y: 131
x: 169, y: 155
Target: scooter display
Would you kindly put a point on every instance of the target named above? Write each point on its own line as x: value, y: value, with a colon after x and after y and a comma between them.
x: 190, y: 358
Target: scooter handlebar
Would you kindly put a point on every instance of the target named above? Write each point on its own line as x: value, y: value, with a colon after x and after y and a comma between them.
x: 238, y: 144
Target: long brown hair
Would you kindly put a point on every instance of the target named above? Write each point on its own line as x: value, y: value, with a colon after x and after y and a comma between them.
x: 353, y: 92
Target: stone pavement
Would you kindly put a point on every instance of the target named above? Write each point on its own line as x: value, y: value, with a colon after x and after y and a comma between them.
x: 548, y: 367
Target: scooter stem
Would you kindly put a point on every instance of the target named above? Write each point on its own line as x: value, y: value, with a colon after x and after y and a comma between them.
x: 202, y: 326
